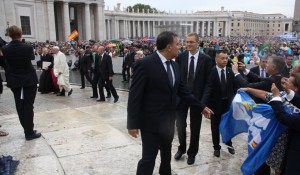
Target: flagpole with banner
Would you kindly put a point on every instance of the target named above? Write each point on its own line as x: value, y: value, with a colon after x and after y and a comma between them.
x: 73, y: 35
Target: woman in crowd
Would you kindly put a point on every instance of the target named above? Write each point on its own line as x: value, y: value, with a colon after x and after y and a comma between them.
x: 285, y: 154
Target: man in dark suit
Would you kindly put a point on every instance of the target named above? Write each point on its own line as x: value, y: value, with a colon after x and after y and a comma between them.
x: 21, y: 79
x: 222, y: 89
x: 81, y: 68
x: 195, y: 68
x: 152, y: 103
x: 104, y: 71
x: 126, y: 66
x: 260, y: 70
x: 289, y: 61
x: 275, y: 66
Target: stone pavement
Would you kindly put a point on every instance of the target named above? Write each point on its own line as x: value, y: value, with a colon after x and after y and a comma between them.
x: 83, y: 137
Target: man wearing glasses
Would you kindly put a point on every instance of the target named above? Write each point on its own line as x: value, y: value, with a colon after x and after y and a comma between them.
x: 195, y: 68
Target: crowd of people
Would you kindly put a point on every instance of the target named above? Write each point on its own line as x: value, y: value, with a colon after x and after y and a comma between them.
x: 170, y: 78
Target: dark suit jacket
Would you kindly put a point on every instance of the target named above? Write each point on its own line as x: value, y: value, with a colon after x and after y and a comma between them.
x: 18, y: 68
x: 257, y: 71
x: 204, y: 66
x: 258, y: 82
x: 286, y: 71
x: 215, y: 91
x: 126, y: 61
x: 48, y: 58
x: 152, y: 100
x: 87, y: 60
x: 293, y: 122
x: 104, y: 69
x: 80, y: 62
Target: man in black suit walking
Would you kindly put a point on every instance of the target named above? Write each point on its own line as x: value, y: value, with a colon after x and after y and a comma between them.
x: 274, y: 67
x: 222, y: 89
x: 21, y: 79
x: 194, y: 68
x: 81, y: 68
x: 152, y: 103
x: 126, y: 66
x: 105, y: 72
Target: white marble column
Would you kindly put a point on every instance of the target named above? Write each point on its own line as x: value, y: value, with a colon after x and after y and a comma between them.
x: 148, y: 28
x: 197, y: 27
x: 215, y: 24
x: 133, y: 29
x: 202, y: 28
x: 139, y: 28
x: 129, y: 30
x: 87, y: 15
x: 51, y: 20
x: 108, y: 29
x: 67, y: 30
x: 208, y: 28
x: 153, y: 29
x: 99, y: 22
x: 144, y: 31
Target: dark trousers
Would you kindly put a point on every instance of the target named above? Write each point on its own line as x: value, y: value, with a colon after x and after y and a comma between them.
x: 25, y: 107
x: 195, y: 126
x: 82, y: 78
x: 109, y: 88
x: 1, y: 85
x: 215, y: 122
x: 97, y: 82
x: 124, y: 72
x: 89, y: 76
x: 151, y: 143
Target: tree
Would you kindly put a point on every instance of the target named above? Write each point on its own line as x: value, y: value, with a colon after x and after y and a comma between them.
x: 139, y: 7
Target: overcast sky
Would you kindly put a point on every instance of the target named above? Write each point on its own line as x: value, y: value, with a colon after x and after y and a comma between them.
x: 285, y: 7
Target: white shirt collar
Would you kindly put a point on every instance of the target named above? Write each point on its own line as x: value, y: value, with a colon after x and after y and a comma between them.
x: 162, y: 58
x: 196, y: 55
x: 220, y: 69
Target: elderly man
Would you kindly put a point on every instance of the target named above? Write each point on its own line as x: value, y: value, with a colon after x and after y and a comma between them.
x: 61, y: 71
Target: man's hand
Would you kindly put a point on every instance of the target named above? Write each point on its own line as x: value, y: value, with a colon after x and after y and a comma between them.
x: 110, y: 78
x: 275, y: 90
x: 285, y: 85
x: 235, y: 68
x: 59, y: 73
x: 241, y: 66
x: 133, y: 132
x: 207, y: 112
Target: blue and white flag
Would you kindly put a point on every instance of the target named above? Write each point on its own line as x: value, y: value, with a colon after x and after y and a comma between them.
x: 258, y: 120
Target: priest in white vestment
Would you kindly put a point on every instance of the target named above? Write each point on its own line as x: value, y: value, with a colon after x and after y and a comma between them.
x: 61, y: 71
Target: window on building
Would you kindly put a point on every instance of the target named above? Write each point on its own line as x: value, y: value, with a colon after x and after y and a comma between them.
x: 232, y: 24
x: 278, y: 30
x: 278, y: 25
x: 268, y: 25
x: 238, y: 25
x: 25, y: 25
x: 273, y: 25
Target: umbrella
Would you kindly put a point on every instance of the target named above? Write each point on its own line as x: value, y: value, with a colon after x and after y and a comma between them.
x: 127, y: 42
x: 111, y: 45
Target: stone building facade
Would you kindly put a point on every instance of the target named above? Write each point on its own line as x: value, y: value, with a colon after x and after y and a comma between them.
x: 53, y: 20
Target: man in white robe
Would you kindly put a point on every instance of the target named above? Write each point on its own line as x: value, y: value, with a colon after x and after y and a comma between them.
x: 61, y: 71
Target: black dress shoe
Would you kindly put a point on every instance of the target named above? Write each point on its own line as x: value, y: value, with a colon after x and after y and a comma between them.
x: 217, y: 153
x: 70, y: 92
x: 93, y: 97
x: 231, y: 150
x: 100, y: 100
x: 191, y: 160
x: 116, y: 99
x: 108, y: 96
x: 178, y: 155
x: 35, y: 135
x: 60, y: 94
x: 82, y: 87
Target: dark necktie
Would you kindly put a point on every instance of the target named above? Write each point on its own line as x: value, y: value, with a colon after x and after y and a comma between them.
x: 262, y: 73
x: 100, y: 59
x: 169, y: 72
x: 223, y: 84
x: 191, y: 74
